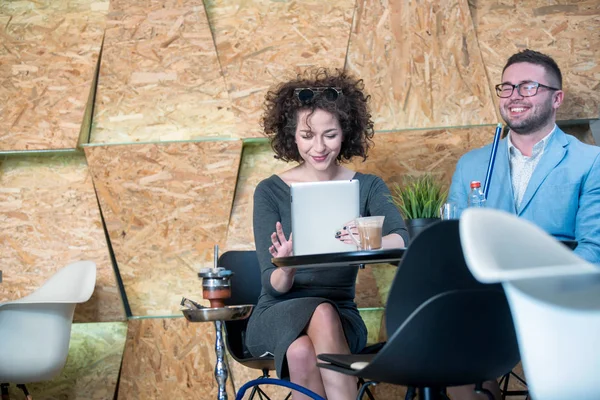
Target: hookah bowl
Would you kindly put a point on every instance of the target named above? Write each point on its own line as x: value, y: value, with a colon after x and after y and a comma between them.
x: 216, y: 285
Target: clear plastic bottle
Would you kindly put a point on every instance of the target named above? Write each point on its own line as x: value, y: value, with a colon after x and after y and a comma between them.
x: 476, y: 196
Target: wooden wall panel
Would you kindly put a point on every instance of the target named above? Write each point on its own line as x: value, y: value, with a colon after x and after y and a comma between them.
x: 160, y: 78
x: 165, y: 206
x: 582, y: 131
x: 261, y: 43
x: 421, y: 63
x: 48, y: 59
x: 49, y: 218
x: 92, y: 369
x: 568, y: 31
x: 169, y: 358
x: 414, y: 152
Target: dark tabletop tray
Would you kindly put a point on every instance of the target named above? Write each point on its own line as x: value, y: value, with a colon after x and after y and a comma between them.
x: 350, y: 258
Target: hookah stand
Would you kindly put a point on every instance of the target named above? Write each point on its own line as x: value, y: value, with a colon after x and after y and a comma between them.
x: 216, y: 287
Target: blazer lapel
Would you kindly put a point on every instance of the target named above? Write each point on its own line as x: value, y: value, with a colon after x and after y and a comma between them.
x: 501, y: 195
x: 553, y: 154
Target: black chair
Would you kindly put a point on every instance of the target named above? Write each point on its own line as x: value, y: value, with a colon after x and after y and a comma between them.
x: 246, y: 287
x: 506, y: 392
x: 444, y: 327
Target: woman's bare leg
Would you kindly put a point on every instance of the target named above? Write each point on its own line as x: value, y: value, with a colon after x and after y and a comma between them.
x: 302, y: 364
x: 326, y: 333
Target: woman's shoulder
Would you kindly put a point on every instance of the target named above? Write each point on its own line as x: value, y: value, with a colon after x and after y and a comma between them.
x: 270, y: 181
x: 367, y: 178
x: 272, y: 185
x: 371, y: 185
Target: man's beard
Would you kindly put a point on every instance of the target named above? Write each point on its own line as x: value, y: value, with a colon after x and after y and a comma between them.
x: 540, y: 117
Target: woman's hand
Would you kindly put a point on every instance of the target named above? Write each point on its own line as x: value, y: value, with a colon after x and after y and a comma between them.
x: 282, y: 279
x: 347, y: 232
x: 281, y: 247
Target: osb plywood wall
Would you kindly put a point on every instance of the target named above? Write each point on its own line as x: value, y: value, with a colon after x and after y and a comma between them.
x: 160, y: 78
x: 193, y: 74
x: 569, y: 31
x: 48, y: 59
x: 263, y: 42
x: 165, y: 206
x: 169, y: 359
x: 50, y: 218
x: 421, y: 63
x: 182, y: 70
x: 398, y: 154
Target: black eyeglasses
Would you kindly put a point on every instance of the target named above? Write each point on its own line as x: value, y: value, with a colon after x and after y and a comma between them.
x: 525, y: 89
x: 305, y: 95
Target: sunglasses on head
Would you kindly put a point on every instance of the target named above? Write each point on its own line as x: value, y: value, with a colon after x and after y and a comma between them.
x: 306, y: 95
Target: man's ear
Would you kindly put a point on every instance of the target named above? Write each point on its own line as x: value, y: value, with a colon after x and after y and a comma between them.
x: 559, y: 96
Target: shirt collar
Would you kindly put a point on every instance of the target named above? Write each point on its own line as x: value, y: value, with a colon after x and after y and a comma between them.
x: 537, y: 148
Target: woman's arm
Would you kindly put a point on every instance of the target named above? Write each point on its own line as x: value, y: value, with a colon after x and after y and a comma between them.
x: 378, y: 203
x: 394, y: 231
x: 392, y: 241
x: 266, y: 218
x: 282, y: 279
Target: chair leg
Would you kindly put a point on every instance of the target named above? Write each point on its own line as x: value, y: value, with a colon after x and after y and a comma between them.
x: 429, y: 393
x: 503, y: 383
x: 480, y: 389
x: 25, y: 391
x: 364, y: 388
x: 256, y: 390
x: 279, y: 382
x: 411, y: 393
x: 261, y: 394
x: 4, y: 391
x: 253, y: 392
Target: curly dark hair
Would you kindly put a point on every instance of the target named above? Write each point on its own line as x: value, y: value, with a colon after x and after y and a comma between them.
x: 280, y: 117
x: 537, y: 58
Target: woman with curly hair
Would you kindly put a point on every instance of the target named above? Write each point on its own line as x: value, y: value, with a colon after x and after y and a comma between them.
x: 320, y: 121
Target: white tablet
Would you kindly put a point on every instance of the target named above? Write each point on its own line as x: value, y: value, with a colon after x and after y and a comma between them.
x: 319, y: 210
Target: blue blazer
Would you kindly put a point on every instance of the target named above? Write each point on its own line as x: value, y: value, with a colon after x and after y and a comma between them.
x: 562, y: 197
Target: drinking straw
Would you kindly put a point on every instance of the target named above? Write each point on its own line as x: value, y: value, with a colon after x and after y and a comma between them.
x: 490, y: 169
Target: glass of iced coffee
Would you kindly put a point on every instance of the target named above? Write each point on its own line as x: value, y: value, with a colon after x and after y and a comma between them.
x: 369, y: 232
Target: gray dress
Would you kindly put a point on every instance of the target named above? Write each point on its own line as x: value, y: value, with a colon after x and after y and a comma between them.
x: 280, y: 318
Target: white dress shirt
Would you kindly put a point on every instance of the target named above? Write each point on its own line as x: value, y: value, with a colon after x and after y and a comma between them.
x: 522, y: 167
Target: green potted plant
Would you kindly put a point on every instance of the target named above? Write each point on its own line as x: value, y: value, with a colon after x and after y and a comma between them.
x: 419, y: 200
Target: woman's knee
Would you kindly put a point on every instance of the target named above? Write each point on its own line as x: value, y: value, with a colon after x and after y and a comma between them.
x: 326, y: 315
x: 301, y: 353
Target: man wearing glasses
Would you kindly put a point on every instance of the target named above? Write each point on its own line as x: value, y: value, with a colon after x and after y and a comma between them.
x: 540, y: 173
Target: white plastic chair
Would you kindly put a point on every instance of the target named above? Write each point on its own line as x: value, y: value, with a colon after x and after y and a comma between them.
x: 35, y: 330
x: 554, y: 297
